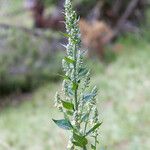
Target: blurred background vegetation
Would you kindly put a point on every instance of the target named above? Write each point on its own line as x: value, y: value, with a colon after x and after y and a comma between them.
x: 30, y: 64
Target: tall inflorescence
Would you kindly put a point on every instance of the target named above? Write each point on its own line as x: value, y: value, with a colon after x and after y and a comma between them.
x: 77, y: 100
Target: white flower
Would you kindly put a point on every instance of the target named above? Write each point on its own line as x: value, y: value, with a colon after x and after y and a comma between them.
x: 73, y: 122
x: 70, y: 145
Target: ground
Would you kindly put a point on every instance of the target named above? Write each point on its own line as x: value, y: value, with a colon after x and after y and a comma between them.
x: 123, y: 103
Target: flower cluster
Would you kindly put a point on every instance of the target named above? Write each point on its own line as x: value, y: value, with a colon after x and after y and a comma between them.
x: 78, y: 101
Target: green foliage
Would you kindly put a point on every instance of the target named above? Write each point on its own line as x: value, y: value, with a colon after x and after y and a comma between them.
x: 77, y: 97
x: 109, y: 55
x: 64, y: 124
x: 26, y: 63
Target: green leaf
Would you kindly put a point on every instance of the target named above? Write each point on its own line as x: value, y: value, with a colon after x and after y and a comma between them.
x: 74, y: 86
x: 88, y: 97
x: 79, y: 140
x: 93, y: 147
x: 63, y: 123
x: 65, y: 34
x: 68, y: 105
x: 69, y: 60
x: 94, y: 128
x: 83, y: 72
x: 70, y: 113
x: 64, y: 77
x: 77, y: 144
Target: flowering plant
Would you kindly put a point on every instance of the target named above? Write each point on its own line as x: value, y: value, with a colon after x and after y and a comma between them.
x: 77, y: 102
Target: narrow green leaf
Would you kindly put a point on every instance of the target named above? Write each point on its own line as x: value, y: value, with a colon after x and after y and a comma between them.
x: 69, y: 60
x: 64, y: 77
x: 80, y: 140
x: 93, y: 147
x: 74, y: 86
x: 63, y: 123
x: 94, y: 128
x: 65, y: 34
x: 67, y: 105
x: 82, y: 72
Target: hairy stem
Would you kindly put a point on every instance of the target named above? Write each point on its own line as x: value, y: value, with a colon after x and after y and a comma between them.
x: 75, y: 78
x: 96, y: 139
x: 86, y: 123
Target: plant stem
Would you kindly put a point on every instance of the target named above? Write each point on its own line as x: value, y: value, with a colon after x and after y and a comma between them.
x: 96, y: 139
x: 75, y: 80
x: 86, y: 123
